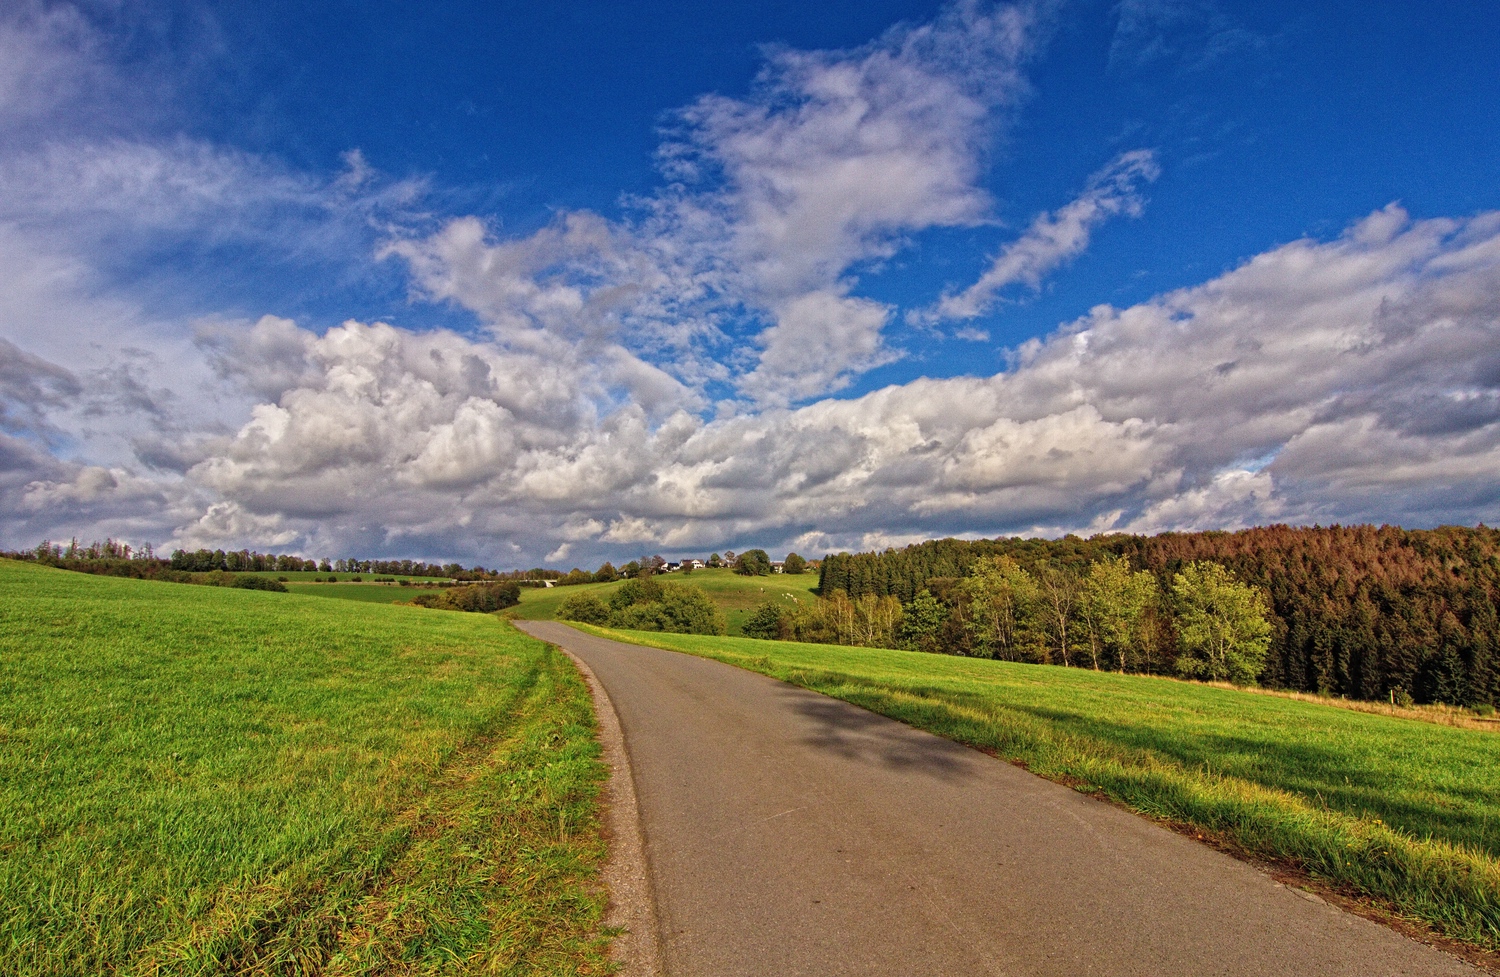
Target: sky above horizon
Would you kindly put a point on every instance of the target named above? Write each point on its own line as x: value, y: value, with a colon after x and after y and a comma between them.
x: 525, y: 284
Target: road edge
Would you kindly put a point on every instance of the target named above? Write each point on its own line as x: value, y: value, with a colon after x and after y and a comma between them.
x: 627, y: 877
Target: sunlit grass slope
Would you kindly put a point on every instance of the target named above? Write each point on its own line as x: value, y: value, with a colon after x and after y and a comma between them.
x: 1405, y: 811
x: 309, y: 576
x: 370, y: 593
x: 205, y: 780
x: 737, y: 596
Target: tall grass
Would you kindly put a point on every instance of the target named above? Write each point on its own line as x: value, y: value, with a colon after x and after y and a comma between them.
x: 1405, y: 812
x: 205, y: 780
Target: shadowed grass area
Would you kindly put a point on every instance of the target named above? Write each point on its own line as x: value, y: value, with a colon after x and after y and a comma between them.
x: 1406, y: 812
x: 737, y: 596
x: 208, y: 780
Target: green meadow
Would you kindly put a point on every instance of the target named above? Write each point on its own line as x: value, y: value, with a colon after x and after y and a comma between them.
x: 211, y: 780
x: 737, y: 596
x: 1403, y: 811
x: 372, y: 593
x: 311, y: 576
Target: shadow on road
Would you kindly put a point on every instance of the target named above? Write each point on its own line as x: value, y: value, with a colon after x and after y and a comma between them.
x: 855, y: 734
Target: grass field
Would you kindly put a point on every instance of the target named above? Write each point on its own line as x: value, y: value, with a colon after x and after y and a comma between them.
x: 210, y: 780
x: 308, y: 576
x: 372, y: 593
x: 1407, y: 812
x: 737, y: 596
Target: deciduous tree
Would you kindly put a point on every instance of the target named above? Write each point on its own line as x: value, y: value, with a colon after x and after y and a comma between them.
x: 1004, y: 603
x: 1114, y: 607
x: 1221, y: 624
x: 753, y: 563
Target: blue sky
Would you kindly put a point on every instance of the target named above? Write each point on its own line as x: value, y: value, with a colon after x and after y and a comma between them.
x: 524, y: 283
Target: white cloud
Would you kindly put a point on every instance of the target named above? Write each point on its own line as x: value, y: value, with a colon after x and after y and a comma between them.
x: 88, y: 485
x: 1054, y: 238
x: 741, y: 270
x: 1362, y: 373
x: 838, y: 152
x: 1364, y: 367
x: 820, y: 341
x: 1234, y: 499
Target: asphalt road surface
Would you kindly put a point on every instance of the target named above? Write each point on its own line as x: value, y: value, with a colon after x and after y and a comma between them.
x: 787, y: 833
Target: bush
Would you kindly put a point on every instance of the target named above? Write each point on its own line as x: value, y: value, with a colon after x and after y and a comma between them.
x: 765, y: 623
x: 258, y: 583
x: 646, y: 605
x: 638, y: 590
x: 479, y: 598
x: 585, y: 608
x: 794, y: 564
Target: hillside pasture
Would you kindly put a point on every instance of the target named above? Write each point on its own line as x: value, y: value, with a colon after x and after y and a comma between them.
x: 370, y: 593
x: 212, y: 780
x: 311, y: 576
x: 1405, y: 812
x: 737, y: 596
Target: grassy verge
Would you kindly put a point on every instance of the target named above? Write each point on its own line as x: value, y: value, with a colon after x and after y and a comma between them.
x: 737, y: 596
x: 208, y: 780
x: 1404, y: 812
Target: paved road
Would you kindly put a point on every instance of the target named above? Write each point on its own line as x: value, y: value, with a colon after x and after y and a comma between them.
x: 792, y: 834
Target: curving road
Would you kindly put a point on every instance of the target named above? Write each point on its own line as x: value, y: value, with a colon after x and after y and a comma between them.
x: 791, y: 834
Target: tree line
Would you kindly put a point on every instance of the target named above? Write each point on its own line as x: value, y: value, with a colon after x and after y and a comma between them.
x: 1357, y: 611
x: 234, y: 561
x: 115, y: 558
x: 751, y: 563
x: 1206, y: 625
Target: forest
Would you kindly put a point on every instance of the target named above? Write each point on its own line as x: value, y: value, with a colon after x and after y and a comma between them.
x: 1355, y: 611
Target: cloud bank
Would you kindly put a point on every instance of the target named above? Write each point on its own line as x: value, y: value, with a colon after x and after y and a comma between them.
x: 669, y: 379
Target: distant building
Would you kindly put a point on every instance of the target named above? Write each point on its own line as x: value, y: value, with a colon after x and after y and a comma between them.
x: 693, y: 564
x: 778, y: 566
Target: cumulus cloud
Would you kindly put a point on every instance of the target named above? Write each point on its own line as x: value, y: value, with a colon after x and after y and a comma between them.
x: 836, y: 152
x: 1320, y: 380
x: 742, y: 269
x: 1054, y: 238
x: 662, y: 381
x: 819, y: 343
x: 1233, y: 499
